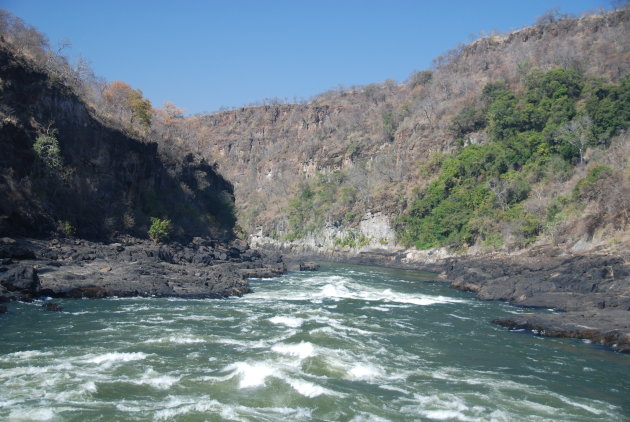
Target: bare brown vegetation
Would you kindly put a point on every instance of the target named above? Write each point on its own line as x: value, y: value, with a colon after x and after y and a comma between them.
x: 379, y: 135
x: 380, y: 138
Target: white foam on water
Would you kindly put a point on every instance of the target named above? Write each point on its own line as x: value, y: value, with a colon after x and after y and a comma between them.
x: 442, y: 415
x: 203, y: 318
x: 230, y: 414
x: 377, y: 308
x: 301, y: 350
x: 89, y: 387
x: 582, y: 406
x: 176, y: 340
x: 157, y: 381
x: 538, y: 407
x: 444, y: 407
x: 289, y: 321
x: 244, y: 344
x: 136, y: 308
x: 363, y: 417
x: 364, y: 372
x: 26, y: 354
x: 460, y: 317
x: 335, y: 291
x: 307, y: 389
x: 340, y: 288
x: 31, y: 414
x: 177, y: 407
x: 338, y: 326
x: 251, y: 375
x: 162, y: 382
x: 394, y: 388
x: 11, y: 373
x: 116, y: 357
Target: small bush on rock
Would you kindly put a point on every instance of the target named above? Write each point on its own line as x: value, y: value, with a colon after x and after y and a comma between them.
x: 160, y: 229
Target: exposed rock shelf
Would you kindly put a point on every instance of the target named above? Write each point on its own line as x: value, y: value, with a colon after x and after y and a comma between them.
x: 590, y: 292
x: 78, y: 268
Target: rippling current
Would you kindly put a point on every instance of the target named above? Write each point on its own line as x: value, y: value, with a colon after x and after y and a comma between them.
x: 347, y: 343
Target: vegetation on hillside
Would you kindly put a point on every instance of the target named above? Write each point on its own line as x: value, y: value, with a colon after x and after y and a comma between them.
x: 534, y: 134
x: 486, y: 147
x: 325, y: 199
x: 380, y: 135
x: 79, y: 153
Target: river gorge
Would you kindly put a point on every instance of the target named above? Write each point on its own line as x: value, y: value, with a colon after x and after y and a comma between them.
x: 347, y: 343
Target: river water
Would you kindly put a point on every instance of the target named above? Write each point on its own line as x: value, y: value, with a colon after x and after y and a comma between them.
x: 346, y: 343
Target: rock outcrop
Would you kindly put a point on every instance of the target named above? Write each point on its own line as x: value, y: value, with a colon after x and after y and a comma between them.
x: 590, y: 293
x: 610, y: 328
x: 92, y: 178
x: 133, y: 267
x: 377, y: 135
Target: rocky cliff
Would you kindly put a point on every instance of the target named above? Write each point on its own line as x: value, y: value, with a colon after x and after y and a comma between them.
x: 64, y: 169
x: 78, y: 194
x: 376, y: 143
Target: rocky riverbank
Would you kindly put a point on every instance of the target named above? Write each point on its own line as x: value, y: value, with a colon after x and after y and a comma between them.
x: 588, y: 292
x: 31, y: 268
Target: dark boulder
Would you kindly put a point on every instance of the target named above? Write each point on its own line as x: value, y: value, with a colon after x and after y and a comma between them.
x: 92, y: 292
x: 309, y: 266
x: 250, y: 255
x: 6, y: 296
x: 22, y: 278
x: 11, y: 249
x: 165, y: 254
x: 52, y: 307
x: 225, y: 281
x: 239, y: 245
x: 268, y: 271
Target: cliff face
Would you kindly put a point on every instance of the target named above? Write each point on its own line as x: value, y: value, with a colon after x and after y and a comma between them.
x: 64, y: 169
x: 377, y: 137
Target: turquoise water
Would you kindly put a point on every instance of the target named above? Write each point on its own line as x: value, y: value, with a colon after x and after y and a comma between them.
x: 347, y: 343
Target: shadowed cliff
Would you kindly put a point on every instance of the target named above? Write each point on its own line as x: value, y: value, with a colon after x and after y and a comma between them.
x: 63, y: 169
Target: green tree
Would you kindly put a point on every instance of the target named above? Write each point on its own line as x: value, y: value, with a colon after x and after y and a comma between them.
x: 160, y: 229
x: 47, y: 149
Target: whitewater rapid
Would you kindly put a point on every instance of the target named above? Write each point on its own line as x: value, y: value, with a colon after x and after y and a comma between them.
x: 345, y: 343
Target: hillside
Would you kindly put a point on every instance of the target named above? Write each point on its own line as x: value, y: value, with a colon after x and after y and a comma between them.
x: 65, y: 169
x: 341, y: 170
x: 95, y: 203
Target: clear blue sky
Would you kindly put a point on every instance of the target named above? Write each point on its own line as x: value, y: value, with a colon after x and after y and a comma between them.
x: 203, y: 55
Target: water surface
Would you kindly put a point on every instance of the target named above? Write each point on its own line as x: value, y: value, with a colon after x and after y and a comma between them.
x: 347, y: 343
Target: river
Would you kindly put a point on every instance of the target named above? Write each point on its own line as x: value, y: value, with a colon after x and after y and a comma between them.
x: 346, y: 343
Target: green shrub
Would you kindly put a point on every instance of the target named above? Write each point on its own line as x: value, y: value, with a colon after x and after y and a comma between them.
x: 493, y: 241
x: 324, y: 196
x: 160, y: 229
x: 556, y: 206
x: 47, y: 149
x: 352, y: 239
x: 609, y: 107
x: 68, y: 229
x: 481, y: 188
x: 470, y: 119
x: 587, y: 187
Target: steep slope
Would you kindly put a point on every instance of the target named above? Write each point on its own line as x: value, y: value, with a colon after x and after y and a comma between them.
x: 339, y: 170
x: 79, y: 194
x: 63, y: 169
